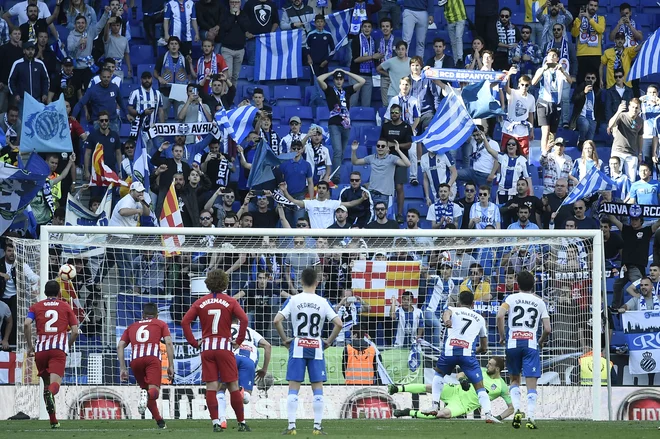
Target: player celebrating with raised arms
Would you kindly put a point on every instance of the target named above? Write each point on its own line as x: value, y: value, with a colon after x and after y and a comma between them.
x: 53, y: 318
x: 144, y: 337
x: 463, y: 326
x: 308, y: 314
x: 216, y: 312
x: 460, y: 399
x: 247, y: 359
x: 526, y: 311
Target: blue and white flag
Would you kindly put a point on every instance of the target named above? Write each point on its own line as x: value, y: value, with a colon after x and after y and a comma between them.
x: 593, y: 182
x: 19, y: 186
x: 450, y: 128
x: 479, y: 102
x: 646, y: 62
x: 279, y: 55
x: 45, y: 128
x: 77, y: 214
x: 141, y: 167
x: 236, y: 123
x: 642, y: 329
x: 338, y: 24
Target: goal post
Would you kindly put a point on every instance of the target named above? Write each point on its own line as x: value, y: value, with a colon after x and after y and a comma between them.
x: 120, y: 269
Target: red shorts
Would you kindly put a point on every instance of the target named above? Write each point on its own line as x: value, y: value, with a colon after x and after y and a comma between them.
x: 524, y: 143
x: 147, y: 371
x: 51, y: 361
x: 219, y: 365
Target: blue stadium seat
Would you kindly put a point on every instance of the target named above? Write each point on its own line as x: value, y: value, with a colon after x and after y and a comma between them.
x: 363, y: 116
x: 247, y: 72
x: 125, y: 130
x: 364, y: 170
x: 361, y: 151
x: 304, y: 113
x: 573, y: 152
x: 287, y: 95
x: 127, y: 88
x: 322, y: 115
x: 141, y: 68
x: 137, y: 32
x: 142, y: 53
x: 414, y: 192
x: 249, y: 91
x: 345, y: 172
x: 278, y: 115
x: 416, y: 204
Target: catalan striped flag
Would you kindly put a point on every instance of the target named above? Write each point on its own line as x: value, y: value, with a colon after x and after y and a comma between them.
x: 378, y: 282
x: 647, y: 61
x: 102, y: 175
x: 450, y: 128
x: 170, y: 216
x: 279, y: 55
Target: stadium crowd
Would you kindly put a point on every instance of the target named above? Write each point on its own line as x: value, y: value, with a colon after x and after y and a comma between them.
x: 352, y: 160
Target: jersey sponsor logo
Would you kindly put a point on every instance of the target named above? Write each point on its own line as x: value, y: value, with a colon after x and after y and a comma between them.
x: 522, y: 335
x: 246, y: 347
x: 459, y: 343
x: 309, y: 343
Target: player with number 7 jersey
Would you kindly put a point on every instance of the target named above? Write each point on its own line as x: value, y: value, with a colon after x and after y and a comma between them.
x: 526, y: 311
x: 144, y: 338
x: 52, y: 318
x: 216, y: 312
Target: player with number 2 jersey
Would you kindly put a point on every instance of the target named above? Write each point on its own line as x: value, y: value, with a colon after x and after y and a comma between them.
x: 216, y: 312
x: 526, y: 311
x: 308, y: 313
x: 52, y: 318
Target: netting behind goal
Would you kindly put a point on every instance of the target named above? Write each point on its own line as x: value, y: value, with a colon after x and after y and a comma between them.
x: 390, y: 288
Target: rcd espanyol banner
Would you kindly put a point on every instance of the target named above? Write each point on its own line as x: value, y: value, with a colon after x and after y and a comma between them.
x: 642, y: 330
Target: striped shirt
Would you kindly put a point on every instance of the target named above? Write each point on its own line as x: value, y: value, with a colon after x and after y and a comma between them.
x: 142, y: 99
x: 180, y: 16
x: 216, y: 343
x: 455, y: 11
x: 145, y: 350
x: 49, y: 342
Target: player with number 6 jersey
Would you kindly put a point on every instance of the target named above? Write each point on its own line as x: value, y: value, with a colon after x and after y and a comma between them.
x: 463, y: 327
x: 526, y: 311
x: 52, y: 318
x: 144, y: 338
x: 308, y: 314
x: 216, y: 312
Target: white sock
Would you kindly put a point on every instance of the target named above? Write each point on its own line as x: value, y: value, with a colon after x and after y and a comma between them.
x: 436, y: 388
x: 222, y: 405
x: 317, y: 404
x: 531, y: 404
x: 515, y: 397
x: 292, y: 408
x: 484, y: 401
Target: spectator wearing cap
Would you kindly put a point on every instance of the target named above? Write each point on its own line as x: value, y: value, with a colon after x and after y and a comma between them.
x: 361, y: 214
x: 110, y: 141
x: 617, y: 58
x: 66, y: 83
x: 556, y: 164
x: 116, y: 46
x: 320, y: 46
x: 9, y: 53
x: 627, y: 127
x: 339, y: 103
x: 341, y: 218
x: 146, y: 101
x: 104, y: 96
x: 294, y: 134
x: 34, y: 24
x: 80, y: 42
x: 298, y: 179
x: 29, y: 75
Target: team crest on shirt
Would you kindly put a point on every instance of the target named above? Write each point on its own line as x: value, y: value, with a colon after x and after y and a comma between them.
x: 263, y: 14
x: 493, y: 387
x: 112, y: 140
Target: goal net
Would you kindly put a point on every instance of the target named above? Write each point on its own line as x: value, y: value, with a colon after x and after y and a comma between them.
x: 388, y: 286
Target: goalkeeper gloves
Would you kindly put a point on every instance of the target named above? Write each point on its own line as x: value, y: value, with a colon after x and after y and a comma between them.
x: 465, y: 383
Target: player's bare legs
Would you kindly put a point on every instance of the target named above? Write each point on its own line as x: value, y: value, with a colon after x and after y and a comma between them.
x: 292, y: 406
x: 531, y: 402
x: 51, y: 388
x: 514, y: 391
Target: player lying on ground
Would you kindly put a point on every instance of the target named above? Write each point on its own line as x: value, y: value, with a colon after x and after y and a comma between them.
x: 216, y: 311
x: 144, y: 336
x: 308, y: 314
x: 526, y: 311
x: 53, y: 318
x: 247, y: 359
x: 463, y: 326
x: 460, y: 399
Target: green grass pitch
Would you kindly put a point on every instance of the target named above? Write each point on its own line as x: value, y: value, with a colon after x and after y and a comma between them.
x: 358, y: 428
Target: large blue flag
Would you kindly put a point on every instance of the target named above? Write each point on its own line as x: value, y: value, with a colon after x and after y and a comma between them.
x: 646, y: 63
x: 593, y: 182
x: 236, y: 123
x: 45, y: 128
x: 479, y: 101
x: 279, y: 55
x: 450, y: 128
x: 18, y: 187
x: 262, y: 165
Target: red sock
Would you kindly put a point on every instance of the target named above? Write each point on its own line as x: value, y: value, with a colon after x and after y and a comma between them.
x: 153, y: 393
x: 237, y: 404
x: 54, y: 388
x: 212, y: 404
x: 53, y: 418
x: 153, y: 408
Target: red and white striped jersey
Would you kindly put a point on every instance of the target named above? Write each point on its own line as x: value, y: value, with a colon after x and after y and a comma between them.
x: 216, y: 343
x: 53, y: 318
x: 215, y: 312
x: 145, y: 336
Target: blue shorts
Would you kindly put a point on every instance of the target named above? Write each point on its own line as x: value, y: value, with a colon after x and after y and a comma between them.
x: 469, y: 366
x: 295, y: 370
x: 246, y: 372
x: 525, y: 360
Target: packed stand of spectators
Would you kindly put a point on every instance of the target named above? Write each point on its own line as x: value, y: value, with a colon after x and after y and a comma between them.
x: 347, y: 127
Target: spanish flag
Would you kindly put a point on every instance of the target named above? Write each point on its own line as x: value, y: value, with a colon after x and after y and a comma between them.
x: 170, y: 216
x: 102, y: 175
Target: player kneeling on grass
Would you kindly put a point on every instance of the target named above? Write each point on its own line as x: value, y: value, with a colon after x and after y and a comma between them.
x: 463, y: 326
x: 308, y: 314
x: 460, y: 399
x: 144, y: 338
x: 247, y: 359
x: 216, y: 311
x: 53, y: 318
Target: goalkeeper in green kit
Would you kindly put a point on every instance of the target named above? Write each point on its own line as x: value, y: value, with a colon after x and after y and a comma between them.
x: 460, y: 399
